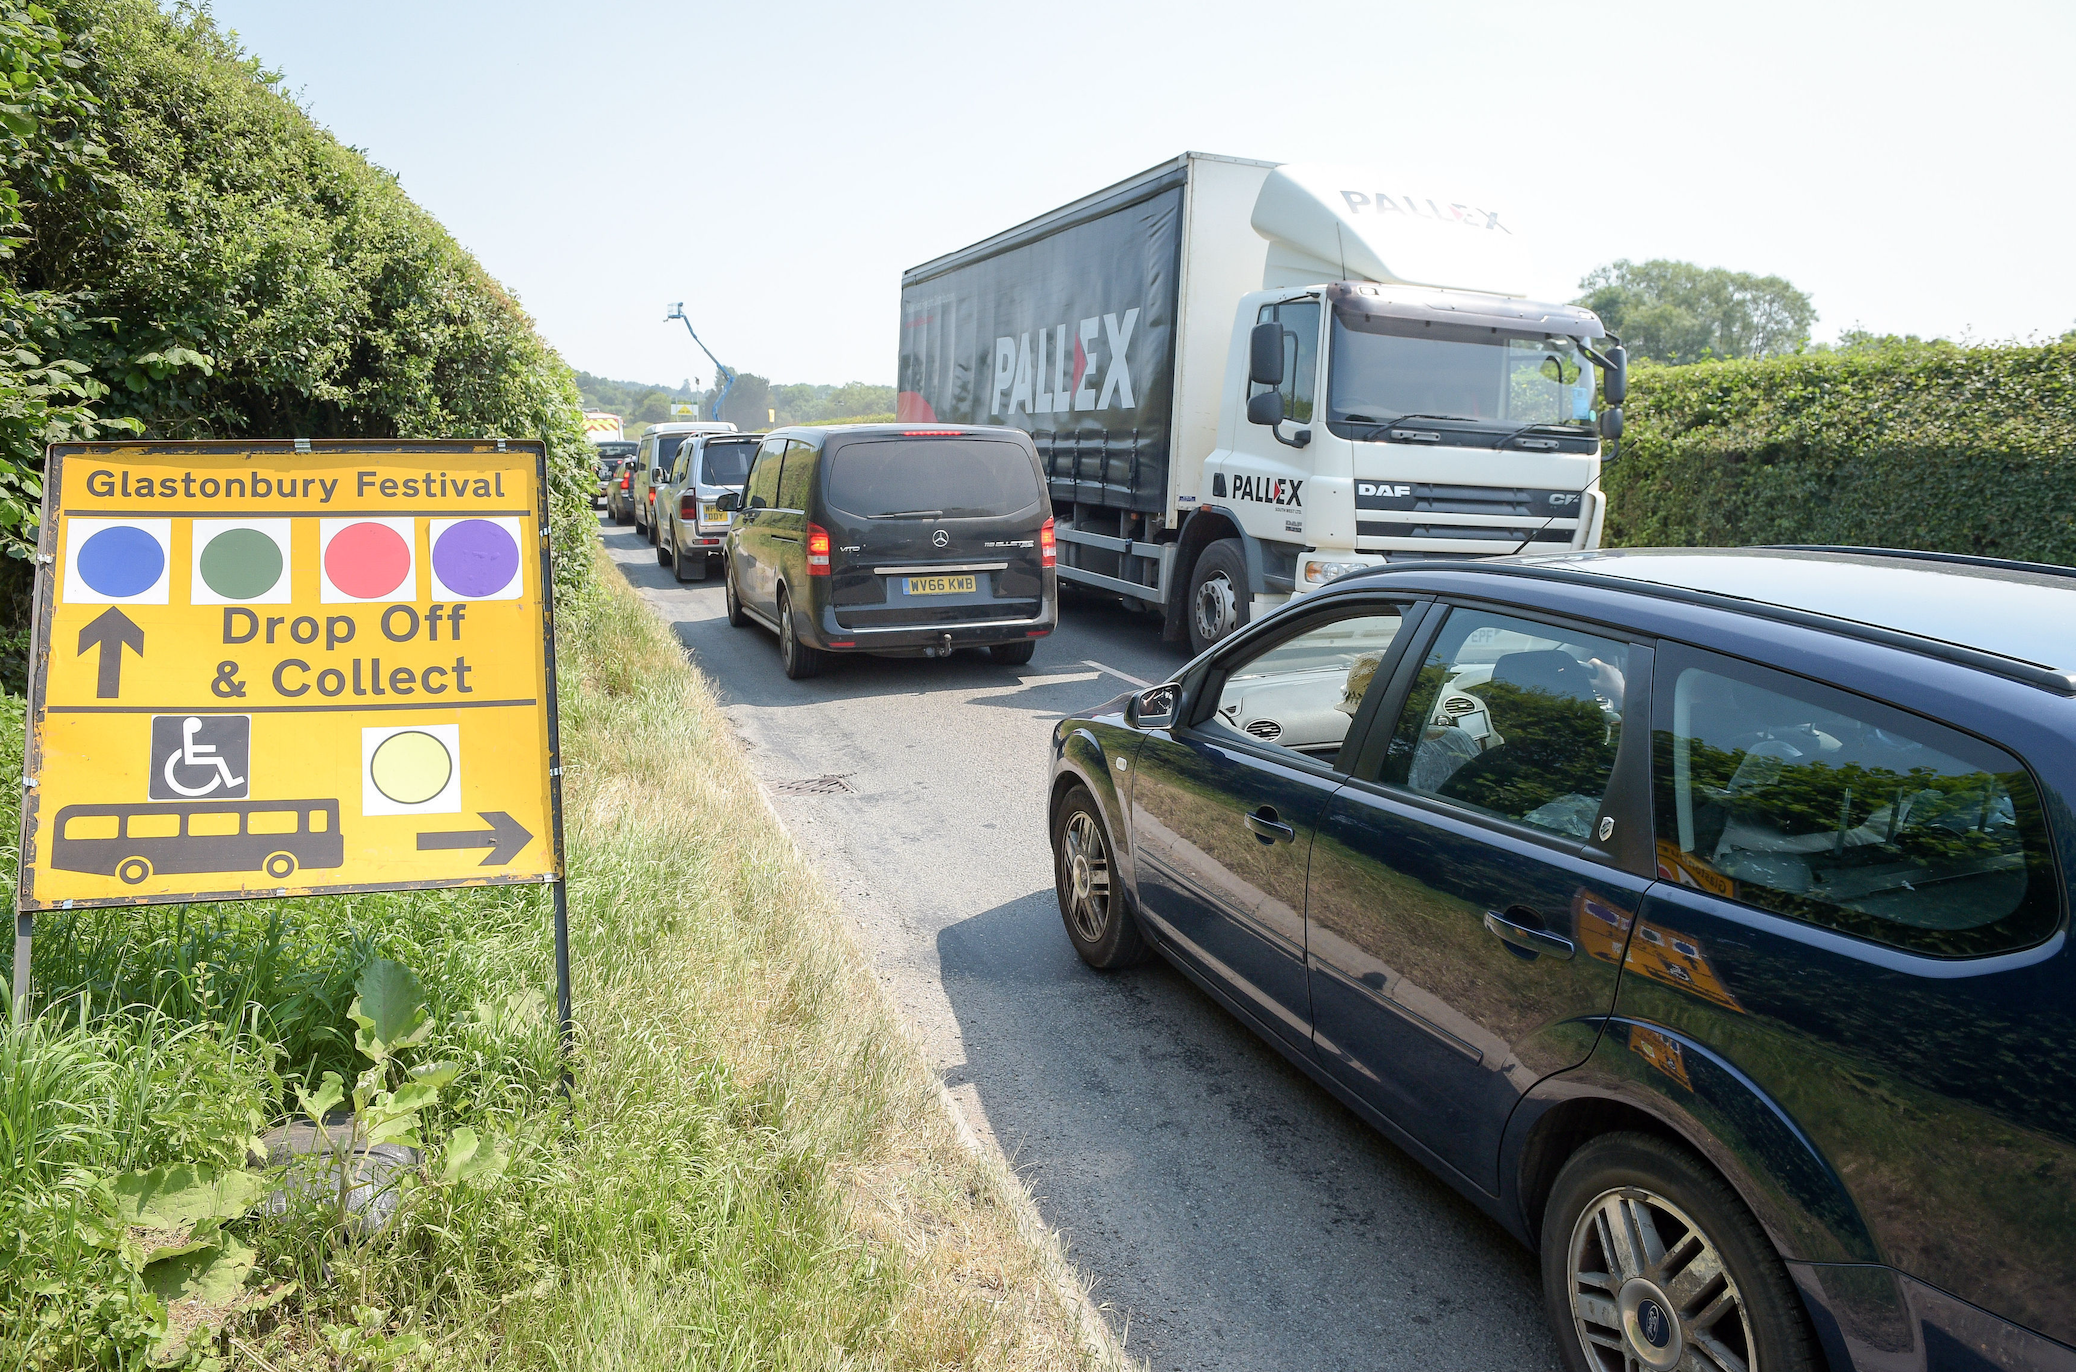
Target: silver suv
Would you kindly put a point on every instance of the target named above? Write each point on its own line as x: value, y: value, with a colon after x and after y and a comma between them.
x: 652, y: 464
x: 690, y: 529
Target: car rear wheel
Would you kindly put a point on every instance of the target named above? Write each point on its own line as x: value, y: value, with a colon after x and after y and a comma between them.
x: 1219, y: 601
x: 1013, y: 654
x: 1651, y: 1262
x: 800, y: 660
x: 736, y: 618
x: 1099, y: 923
x: 618, y: 511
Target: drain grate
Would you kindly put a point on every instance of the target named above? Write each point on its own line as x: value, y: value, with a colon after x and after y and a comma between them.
x: 815, y: 786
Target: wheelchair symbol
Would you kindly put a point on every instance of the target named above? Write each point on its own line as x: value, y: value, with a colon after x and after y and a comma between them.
x: 200, y: 757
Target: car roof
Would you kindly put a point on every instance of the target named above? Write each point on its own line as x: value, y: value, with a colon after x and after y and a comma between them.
x: 2021, y: 613
x: 688, y: 426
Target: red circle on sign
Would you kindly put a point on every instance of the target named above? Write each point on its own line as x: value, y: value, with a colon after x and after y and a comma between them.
x: 367, y: 560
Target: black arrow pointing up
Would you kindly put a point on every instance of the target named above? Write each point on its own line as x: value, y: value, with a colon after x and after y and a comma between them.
x: 111, y: 630
x: 504, y: 838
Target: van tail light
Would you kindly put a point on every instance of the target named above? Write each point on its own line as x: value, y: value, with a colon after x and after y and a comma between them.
x: 1048, y: 547
x: 817, y: 550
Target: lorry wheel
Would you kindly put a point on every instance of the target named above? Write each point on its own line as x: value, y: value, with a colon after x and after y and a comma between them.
x: 1714, y: 1294
x: 800, y: 660
x: 1219, y: 601
x: 1013, y: 654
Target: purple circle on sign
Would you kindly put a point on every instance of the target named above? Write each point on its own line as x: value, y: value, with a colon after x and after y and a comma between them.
x: 476, y: 557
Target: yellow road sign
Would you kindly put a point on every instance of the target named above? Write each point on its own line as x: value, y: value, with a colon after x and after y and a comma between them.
x: 287, y: 669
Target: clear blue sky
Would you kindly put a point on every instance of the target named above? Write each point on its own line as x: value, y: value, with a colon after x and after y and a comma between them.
x: 775, y: 165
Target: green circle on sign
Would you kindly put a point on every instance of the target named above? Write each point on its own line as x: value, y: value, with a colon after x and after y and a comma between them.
x: 239, y: 564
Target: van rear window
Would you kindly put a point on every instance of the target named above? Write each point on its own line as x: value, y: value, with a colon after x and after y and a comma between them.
x: 727, y: 464
x: 951, y: 478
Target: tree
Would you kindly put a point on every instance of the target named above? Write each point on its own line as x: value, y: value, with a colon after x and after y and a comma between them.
x: 1675, y: 312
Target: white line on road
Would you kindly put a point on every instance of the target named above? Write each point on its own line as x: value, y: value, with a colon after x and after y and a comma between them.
x: 1122, y: 676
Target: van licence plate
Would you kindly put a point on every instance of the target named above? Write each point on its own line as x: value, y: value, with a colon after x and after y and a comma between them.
x: 939, y: 585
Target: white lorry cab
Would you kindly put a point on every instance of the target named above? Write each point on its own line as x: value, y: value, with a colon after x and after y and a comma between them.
x: 1245, y: 379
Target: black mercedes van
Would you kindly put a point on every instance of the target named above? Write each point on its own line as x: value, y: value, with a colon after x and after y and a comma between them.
x: 895, y: 540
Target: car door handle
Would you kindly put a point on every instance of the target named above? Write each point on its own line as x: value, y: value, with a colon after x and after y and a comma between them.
x: 1264, y: 825
x: 784, y: 538
x: 1526, y: 937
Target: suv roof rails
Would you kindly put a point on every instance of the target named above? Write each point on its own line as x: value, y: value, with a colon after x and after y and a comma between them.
x: 1918, y: 555
x: 2059, y: 681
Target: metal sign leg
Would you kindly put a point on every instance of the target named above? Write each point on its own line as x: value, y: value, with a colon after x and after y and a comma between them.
x: 568, y: 1028
x: 24, y: 926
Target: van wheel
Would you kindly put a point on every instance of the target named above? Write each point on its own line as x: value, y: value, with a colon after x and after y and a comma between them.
x: 649, y: 531
x: 800, y: 660
x: 1715, y: 1296
x: 1219, y: 601
x: 1013, y: 654
x: 280, y: 865
x: 736, y: 618
x: 133, y: 870
x: 1092, y: 903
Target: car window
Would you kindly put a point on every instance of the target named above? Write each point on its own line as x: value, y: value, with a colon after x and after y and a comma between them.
x: 1514, y: 718
x: 1302, y: 693
x: 794, y: 481
x: 726, y: 464
x: 949, y: 478
x: 1828, y: 807
x: 762, y: 489
x: 667, y: 446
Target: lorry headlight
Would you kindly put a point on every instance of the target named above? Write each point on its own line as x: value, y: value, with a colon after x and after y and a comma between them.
x: 1318, y: 573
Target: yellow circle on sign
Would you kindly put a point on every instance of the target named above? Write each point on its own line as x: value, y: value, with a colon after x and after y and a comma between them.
x: 410, y: 768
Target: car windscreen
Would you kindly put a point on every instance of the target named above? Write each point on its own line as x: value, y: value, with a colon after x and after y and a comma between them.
x: 727, y: 464
x: 949, y: 478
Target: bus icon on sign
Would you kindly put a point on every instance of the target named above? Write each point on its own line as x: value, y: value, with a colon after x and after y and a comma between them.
x: 134, y: 842
x: 194, y: 757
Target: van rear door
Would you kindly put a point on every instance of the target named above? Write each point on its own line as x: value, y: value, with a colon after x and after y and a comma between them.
x: 930, y: 527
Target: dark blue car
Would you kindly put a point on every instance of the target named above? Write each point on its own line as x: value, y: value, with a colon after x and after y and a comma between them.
x: 1701, y: 915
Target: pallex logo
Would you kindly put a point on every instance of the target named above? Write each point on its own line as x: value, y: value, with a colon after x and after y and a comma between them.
x: 1027, y: 378
x: 1469, y: 216
x: 1266, y: 490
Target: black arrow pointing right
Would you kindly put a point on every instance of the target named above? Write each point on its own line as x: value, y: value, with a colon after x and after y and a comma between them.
x: 111, y: 630
x: 504, y: 838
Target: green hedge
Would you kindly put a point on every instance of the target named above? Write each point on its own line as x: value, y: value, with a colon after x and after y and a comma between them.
x: 1966, y: 450
x: 228, y: 269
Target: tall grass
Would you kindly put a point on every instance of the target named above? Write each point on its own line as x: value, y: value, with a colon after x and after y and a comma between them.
x: 752, y: 1171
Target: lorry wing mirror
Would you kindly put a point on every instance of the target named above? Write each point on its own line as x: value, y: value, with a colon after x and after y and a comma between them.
x: 1615, y: 385
x: 1611, y: 422
x: 1265, y: 355
x: 1266, y: 408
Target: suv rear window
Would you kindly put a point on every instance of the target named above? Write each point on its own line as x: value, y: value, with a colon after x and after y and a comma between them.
x: 955, y: 478
x: 727, y: 464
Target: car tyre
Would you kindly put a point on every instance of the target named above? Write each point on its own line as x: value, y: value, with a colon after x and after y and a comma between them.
x: 1614, y: 1310
x: 1219, y: 602
x: 736, y: 618
x: 1013, y: 654
x: 1100, y: 923
x: 800, y: 660
x: 619, y: 513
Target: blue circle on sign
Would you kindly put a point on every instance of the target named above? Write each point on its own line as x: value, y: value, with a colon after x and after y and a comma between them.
x: 1651, y: 1319
x: 122, y: 560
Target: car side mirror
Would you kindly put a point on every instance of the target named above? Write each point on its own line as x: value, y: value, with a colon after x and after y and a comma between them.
x: 729, y: 500
x: 1265, y: 355
x: 1266, y: 408
x: 757, y: 502
x: 1615, y: 385
x: 1154, y: 708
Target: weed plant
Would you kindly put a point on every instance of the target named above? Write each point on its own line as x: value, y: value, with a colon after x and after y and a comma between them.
x: 752, y: 1169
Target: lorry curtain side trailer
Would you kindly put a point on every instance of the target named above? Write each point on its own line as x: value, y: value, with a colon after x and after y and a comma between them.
x: 1246, y: 379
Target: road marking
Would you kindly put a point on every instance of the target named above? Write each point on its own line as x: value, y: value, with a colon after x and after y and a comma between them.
x: 1122, y: 676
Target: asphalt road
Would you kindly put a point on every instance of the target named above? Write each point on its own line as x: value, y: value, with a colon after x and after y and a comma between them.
x: 1230, y: 1213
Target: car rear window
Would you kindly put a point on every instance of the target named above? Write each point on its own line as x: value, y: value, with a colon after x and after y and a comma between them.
x: 727, y: 464
x: 952, y: 478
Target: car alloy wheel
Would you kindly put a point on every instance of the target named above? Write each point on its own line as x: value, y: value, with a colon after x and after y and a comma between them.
x: 1085, y: 872
x: 1650, y: 1292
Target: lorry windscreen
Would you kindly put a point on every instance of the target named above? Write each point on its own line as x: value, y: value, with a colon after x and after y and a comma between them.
x: 727, y: 464
x: 949, y: 478
x: 1385, y: 368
